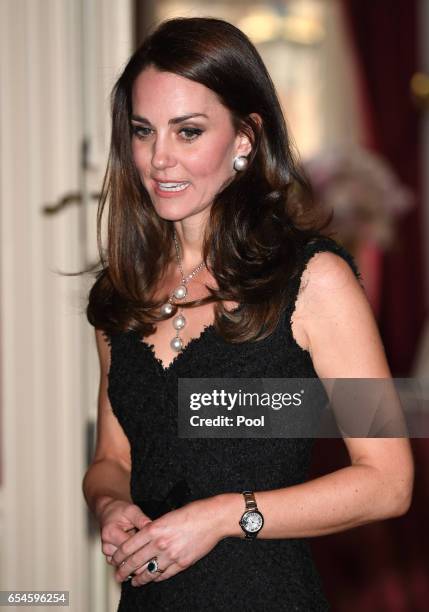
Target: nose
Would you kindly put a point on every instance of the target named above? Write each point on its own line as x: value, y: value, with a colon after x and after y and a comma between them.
x: 162, y: 156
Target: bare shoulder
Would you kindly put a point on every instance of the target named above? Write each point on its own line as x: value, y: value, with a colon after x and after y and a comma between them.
x: 334, y: 321
x: 327, y: 271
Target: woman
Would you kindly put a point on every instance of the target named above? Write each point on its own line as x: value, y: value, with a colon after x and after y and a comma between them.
x: 212, y: 270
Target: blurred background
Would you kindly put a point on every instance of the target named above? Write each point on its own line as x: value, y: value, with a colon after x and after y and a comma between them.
x: 353, y: 79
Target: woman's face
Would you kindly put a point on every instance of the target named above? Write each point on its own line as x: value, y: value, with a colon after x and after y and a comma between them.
x: 183, y: 143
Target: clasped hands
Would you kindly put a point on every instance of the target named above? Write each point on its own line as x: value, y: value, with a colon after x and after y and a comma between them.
x: 130, y: 539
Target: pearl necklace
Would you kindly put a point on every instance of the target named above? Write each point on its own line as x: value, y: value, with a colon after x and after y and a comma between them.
x: 179, y: 293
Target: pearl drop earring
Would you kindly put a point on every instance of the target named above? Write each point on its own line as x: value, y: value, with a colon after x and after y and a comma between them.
x: 240, y: 163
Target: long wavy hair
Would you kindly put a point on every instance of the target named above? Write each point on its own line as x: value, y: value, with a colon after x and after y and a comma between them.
x: 258, y: 222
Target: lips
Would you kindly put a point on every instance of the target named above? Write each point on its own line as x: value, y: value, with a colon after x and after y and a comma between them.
x: 166, y: 188
x: 170, y: 186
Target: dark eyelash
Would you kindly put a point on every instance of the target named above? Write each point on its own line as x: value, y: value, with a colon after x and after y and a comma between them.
x: 194, y: 131
x: 137, y: 130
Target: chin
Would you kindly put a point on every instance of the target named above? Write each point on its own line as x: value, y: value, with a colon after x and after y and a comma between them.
x: 170, y: 215
x: 177, y: 211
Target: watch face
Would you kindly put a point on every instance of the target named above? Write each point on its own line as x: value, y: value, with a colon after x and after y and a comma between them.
x: 252, y: 521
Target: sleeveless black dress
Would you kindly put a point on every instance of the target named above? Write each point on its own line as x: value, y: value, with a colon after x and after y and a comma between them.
x: 168, y: 472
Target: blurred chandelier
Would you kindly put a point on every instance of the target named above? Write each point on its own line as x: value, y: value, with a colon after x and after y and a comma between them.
x: 269, y: 25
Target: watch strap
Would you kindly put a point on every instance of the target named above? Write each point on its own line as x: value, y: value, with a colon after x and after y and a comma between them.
x: 249, y: 500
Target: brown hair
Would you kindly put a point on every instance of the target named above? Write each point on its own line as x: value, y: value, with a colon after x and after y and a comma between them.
x: 258, y: 222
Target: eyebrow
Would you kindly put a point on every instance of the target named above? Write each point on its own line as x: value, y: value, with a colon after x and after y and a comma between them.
x: 173, y: 121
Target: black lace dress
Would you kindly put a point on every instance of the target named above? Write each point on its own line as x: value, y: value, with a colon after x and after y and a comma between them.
x: 167, y: 471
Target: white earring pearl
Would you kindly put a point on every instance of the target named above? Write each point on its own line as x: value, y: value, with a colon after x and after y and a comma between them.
x: 240, y: 163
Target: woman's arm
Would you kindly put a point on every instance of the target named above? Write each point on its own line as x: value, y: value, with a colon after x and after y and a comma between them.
x: 108, y: 475
x: 106, y: 484
x: 333, y: 320
x: 364, y: 492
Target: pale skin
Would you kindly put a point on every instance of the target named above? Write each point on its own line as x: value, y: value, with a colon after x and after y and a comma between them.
x: 332, y: 320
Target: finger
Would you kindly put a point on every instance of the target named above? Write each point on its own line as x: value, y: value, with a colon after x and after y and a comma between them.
x: 137, y: 562
x: 134, y: 563
x: 143, y: 576
x: 142, y: 521
x: 131, y: 546
x: 109, y: 549
x: 143, y: 568
x: 126, y: 572
x: 114, y: 535
x: 135, y: 515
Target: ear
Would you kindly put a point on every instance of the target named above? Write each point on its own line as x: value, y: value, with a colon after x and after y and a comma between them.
x: 246, y: 136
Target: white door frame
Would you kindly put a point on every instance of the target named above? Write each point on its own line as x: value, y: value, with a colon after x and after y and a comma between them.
x: 49, y: 371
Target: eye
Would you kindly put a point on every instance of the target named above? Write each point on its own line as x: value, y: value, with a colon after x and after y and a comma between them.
x: 140, y: 132
x: 190, y: 133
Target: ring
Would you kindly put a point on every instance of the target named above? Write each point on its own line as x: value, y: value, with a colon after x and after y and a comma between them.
x: 153, y: 567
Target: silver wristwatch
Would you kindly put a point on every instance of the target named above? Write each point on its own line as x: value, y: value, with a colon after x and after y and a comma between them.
x: 252, y: 520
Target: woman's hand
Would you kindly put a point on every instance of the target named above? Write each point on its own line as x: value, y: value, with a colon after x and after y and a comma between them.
x: 119, y: 520
x: 177, y: 539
